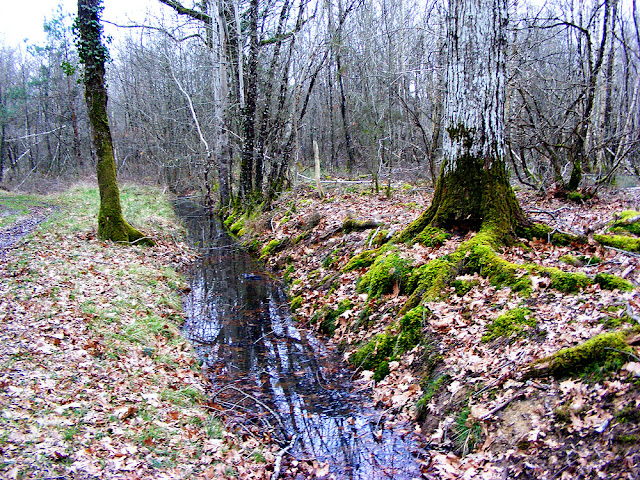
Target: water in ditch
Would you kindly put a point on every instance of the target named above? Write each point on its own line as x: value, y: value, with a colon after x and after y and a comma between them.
x: 269, y: 375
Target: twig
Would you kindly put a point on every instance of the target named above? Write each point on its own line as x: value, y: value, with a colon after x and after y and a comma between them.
x: 262, y: 404
x: 501, y: 405
x: 278, y: 463
x: 632, y: 315
x: 619, y: 250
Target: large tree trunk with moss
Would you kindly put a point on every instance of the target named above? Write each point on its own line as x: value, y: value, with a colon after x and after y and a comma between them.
x: 473, y: 189
x: 111, y: 224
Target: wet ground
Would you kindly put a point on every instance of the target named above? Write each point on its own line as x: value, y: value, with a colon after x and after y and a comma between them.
x: 275, y: 380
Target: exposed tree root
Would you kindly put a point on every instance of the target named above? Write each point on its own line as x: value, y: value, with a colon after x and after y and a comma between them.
x: 608, y: 350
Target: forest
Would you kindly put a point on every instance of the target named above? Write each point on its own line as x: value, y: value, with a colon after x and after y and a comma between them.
x: 366, y: 80
x: 323, y: 239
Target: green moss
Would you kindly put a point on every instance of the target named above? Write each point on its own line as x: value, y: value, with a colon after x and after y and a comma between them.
x: 330, y: 316
x: 575, y: 196
x: 373, y: 353
x: 571, y: 260
x: 462, y: 287
x: 629, y: 414
x: 536, y: 230
x: 544, y: 232
x: 270, y: 248
x: 382, y: 371
x: 602, y: 353
x: 352, y: 224
x: 621, y: 242
x: 296, y: 303
x: 386, y: 272
x: 567, y: 282
x: 361, y: 260
x: 431, y: 388
x: 624, y: 225
x: 514, y: 321
x: 330, y: 259
x: 237, y: 226
x: 392, y: 343
x: 630, y: 439
x: 432, y: 237
x: 613, y: 282
x: 378, y: 237
x: 562, y: 414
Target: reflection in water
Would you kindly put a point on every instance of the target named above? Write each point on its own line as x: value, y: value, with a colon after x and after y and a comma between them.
x: 275, y: 375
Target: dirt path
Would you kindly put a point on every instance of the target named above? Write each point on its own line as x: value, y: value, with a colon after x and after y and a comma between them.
x: 24, y: 223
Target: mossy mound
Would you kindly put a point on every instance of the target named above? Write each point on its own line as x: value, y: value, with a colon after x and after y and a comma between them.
x: 622, y: 242
x: 432, y: 237
x: 604, y: 352
x: 391, y: 344
x: 362, y: 260
x: 567, y: 282
x: 296, y: 303
x: 513, y: 322
x: 545, y: 232
x: 270, y: 248
x: 385, y: 273
x: 613, y: 282
x: 462, y: 287
x: 580, y: 260
x: 629, y: 222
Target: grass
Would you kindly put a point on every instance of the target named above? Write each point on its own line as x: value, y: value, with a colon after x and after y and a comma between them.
x: 119, y: 308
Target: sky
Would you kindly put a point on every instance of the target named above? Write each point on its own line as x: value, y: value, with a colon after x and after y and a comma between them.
x: 20, y: 19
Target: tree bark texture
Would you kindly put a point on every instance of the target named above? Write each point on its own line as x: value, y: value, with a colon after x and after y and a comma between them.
x: 473, y: 189
x: 111, y: 224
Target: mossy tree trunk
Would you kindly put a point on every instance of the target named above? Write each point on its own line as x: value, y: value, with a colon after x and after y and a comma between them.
x: 473, y: 190
x: 111, y: 224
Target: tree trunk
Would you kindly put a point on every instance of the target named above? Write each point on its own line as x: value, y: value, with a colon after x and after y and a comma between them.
x: 249, y: 189
x: 111, y: 224
x: 473, y: 190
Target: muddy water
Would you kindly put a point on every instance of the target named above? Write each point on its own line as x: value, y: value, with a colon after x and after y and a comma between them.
x: 269, y: 375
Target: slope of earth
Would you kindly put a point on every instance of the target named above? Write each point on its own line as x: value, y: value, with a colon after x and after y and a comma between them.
x: 467, y: 384
x: 95, y: 379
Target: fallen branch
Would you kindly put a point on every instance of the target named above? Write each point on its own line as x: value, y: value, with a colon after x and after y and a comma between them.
x: 632, y: 315
x: 278, y: 463
x: 619, y: 250
x: 252, y: 397
x: 503, y: 404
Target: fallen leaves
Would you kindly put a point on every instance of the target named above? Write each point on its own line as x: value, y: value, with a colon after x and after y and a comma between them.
x: 90, y: 350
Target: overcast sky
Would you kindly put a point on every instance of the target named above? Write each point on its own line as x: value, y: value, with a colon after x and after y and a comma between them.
x: 20, y: 19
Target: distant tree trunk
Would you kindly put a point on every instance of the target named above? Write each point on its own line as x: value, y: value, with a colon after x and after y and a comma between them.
x: 250, y: 185
x: 111, y: 224
x: 473, y: 190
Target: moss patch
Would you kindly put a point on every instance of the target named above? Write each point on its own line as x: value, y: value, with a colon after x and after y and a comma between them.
x: 272, y: 247
x: 391, y: 344
x: 385, y: 273
x: 626, y: 223
x: 296, y: 303
x: 613, y: 282
x: 432, y: 237
x: 515, y: 321
x: 602, y: 353
x: 362, y: 260
x: 622, y: 242
x: 567, y: 282
x: 328, y: 323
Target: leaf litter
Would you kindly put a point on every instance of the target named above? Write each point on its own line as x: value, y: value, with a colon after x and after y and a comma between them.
x: 96, y: 380
x: 578, y: 427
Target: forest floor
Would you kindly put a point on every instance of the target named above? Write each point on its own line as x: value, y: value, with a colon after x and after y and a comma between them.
x: 464, y: 384
x: 96, y: 380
